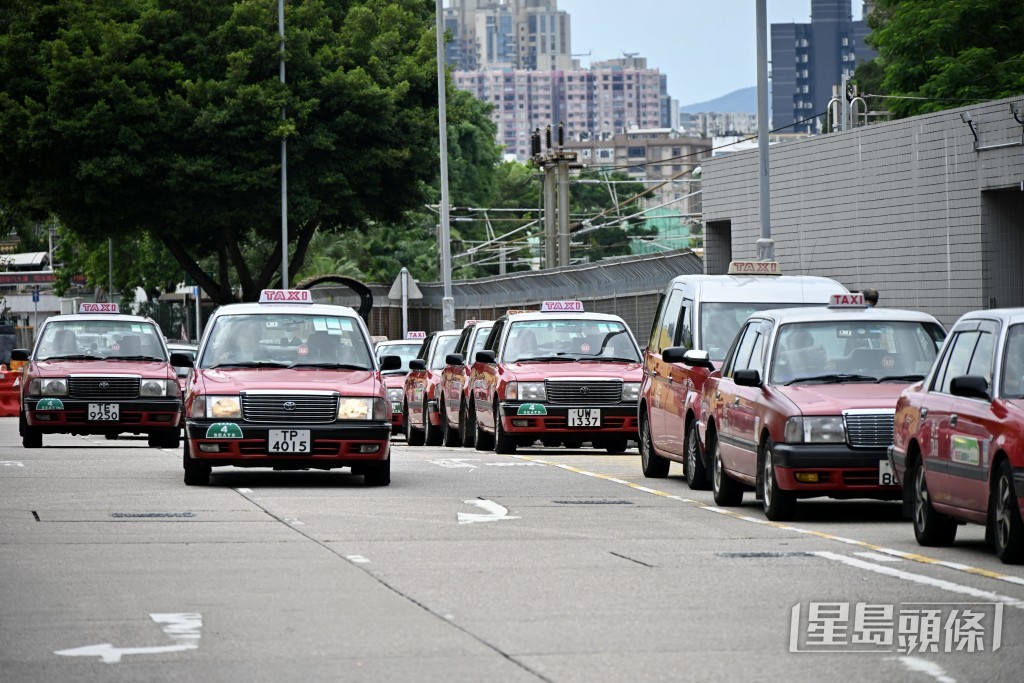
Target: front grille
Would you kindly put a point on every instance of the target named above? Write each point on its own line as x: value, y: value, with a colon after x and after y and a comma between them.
x: 583, y: 393
x: 97, y: 387
x: 869, y: 430
x: 307, y: 409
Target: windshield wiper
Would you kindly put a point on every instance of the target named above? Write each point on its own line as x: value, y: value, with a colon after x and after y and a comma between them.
x: 542, y: 359
x: 607, y: 359
x: 75, y: 356
x: 833, y: 379
x: 134, y: 358
x: 901, y: 378
x: 329, y: 366
x: 250, y: 364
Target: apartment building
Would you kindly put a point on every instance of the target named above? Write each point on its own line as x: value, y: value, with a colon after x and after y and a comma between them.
x: 508, y: 34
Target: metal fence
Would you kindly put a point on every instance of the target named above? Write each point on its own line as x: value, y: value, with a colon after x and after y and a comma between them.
x: 626, y: 286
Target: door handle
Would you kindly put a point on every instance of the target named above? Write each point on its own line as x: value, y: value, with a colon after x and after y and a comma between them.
x: 924, y: 413
x: 737, y: 401
x: 952, y: 420
x: 718, y: 395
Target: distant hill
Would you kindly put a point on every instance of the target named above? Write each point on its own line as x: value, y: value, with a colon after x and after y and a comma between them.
x: 744, y: 100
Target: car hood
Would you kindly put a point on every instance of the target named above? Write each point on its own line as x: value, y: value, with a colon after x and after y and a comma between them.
x: 627, y: 372
x: 833, y: 399
x: 234, y: 380
x: 52, y: 368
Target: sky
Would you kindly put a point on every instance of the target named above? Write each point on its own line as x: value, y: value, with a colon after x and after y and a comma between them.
x: 707, y: 47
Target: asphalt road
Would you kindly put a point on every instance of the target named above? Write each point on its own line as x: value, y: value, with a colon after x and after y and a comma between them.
x: 550, y: 565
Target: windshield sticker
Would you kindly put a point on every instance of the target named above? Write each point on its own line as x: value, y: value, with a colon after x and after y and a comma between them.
x: 532, y: 409
x: 966, y: 450
x: 224, y: 430
x: 333, y: 324
x: 319, y: 324
x: 50, y: 404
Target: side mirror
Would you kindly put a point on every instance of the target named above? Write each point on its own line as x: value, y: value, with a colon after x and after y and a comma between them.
x: 181, y: 360
x: 417, y: 364
x: 454, y: 359
x: 486, y: 357
x: 674, y: 354
x: 747, y: 378
x: 390, y: 363
x: 970, y: 386
x: 20, y: 354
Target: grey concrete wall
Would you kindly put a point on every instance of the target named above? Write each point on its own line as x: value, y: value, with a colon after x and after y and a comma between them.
x: 897, y: 206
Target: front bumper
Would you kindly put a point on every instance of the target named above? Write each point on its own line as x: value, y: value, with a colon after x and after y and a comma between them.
x: 336, y: 444
x: 841, y: 470
x: 616, y: 419
x: 135, y: 415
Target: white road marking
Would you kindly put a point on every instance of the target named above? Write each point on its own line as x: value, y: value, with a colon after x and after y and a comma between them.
x: 988, y: 596
x: 867, y: 555
x: 513, y: 464
x: 244, y: 490
x: 182, y: 628
x: 454, y: 463
x: 358, y: 559
x: 918, y: 665
x: 294, y: 521
x: 11, y: 463
x: 495, y: 512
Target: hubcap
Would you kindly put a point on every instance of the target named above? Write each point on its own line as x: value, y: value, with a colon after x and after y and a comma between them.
x: 718, y: 467
x: 769, y: 478
x: 691, y: 456
x: 645, y: 444
x: 920, y: 498
x: 1003, y: 512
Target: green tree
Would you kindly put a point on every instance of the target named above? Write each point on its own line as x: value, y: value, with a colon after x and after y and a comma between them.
x: 950, y: 53
x: 163, y: 119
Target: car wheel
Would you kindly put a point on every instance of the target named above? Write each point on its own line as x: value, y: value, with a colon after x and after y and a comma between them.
x: 653, y: 465
x: 696, y: 473
x: 616, y: 446
x: 413, y: 436
x: 779, y: 505
x: 111, y: 437
x: 931, y: 527
x: 30, y: 437
x: 196, y: 473
x: 483, y: 441
x: 467, y: 426
x: 431, y: 434
x: 377, y: 473
x: 449, y: 437
x: 503, y: 443
x: 1007, y: 523
x: 727, y: 491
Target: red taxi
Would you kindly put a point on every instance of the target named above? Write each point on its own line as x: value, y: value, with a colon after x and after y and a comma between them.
x: 99, y: 372
x: 959, y: 442
x: 803, y: 405
x: 288, y: 384
x: 454, y: 387
x: 560, y: 376
x: 394, y: 380
x: 420, y: 409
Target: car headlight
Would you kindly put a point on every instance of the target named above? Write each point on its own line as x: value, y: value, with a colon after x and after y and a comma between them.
x: 631, y: 391
x: 828, y: 429
x: 198, y: 407
x: 159, y: 387
x: 363, y: 409
x: 396, y: 395
x: 221, y: 407
x: 525, y: 391
x: 48, y: 387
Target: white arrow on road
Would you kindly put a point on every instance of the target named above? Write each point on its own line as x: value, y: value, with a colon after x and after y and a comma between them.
x: 453, y: 463
x: 495, y: 512
x: 182, y: 628
x: 11, y: 463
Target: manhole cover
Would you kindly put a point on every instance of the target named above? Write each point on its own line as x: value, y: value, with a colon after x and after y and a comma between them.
x: 150, y: 515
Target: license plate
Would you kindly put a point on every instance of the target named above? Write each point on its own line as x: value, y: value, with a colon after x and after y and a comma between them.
x: 885, y: 475
x: 288, y: 441
x: 104, y: 411
x: 396, y: 407
x: 585, y: 417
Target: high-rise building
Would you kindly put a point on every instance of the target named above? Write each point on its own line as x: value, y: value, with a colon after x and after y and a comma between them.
x: 808, y: 59
x: 512, y: 34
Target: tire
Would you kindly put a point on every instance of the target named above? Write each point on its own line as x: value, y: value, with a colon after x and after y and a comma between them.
x: 653, y: 465
x: 169, y: 438
x: 467, y: 426
x: 482, y: 441
x: 779, y: 505
x: 449, y: 437
x: 503, y: 443
x: 696, y: 473
x: 727, y: 491
x: 413, y: 437
x: 431, y: 435
x: 196, y: 473
x: 1007, y: 525
x: 30, y: 437
x: 616, y: 446
x: 377, y: 473
x: 931, y: 527
x: 111, y: 437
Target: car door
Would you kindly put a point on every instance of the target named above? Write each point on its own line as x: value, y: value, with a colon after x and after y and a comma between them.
x: 970, y: 427
x: 485, y: 379
x: 679, y: 384
x: 657, y: 370
x: 453, y: 376
x: 729, y: 395
x: 416, y: 384
x: 745, y: 406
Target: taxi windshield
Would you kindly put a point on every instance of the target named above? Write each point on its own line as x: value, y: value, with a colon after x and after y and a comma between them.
x: 404, y: 351
x: 845, y: 350
x: 1013, y: 363
x: 286, y: 340
x: 445, y: 345
x: 719, y: 323
x: 100, y: 339
x: 570, y: 339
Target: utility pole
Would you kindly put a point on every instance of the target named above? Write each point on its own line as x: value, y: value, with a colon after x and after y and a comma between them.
x: 556, y: 165
x: 284, y: 167
x: 447, y: 302
x: 110, y: 269
x: 765, y: 245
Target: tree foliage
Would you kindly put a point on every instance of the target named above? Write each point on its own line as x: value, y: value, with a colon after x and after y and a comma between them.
x: 951, y: 53
x: 161, y: 120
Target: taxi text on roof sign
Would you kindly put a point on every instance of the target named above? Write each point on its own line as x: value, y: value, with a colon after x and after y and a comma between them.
x: 99, y: 308
x: 286, y: 296
x: 755, y: 268
x: 561, y: 306
x: 855, y: 300
x: 415, y: 334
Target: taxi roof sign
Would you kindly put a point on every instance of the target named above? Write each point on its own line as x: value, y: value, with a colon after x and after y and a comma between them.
x: 514, y: 311
x: 561, y: 307
x: 286, y: 296
x: 755, y: 268
x: 853, y: 300
x: 415, y: 334
x: 99, y: 308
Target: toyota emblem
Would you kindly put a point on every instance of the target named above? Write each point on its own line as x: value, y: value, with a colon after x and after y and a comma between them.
x: 104, y: 385
x: 584, y: 390
x: 289, y: 405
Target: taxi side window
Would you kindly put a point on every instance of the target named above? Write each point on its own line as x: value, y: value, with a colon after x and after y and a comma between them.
x: 957, y: 359
x: 740, y: 352
x: 667, y: 331
x: 756, y: 361
x: 463, y: 342
x: 652, y: 343
x: 984, y: 355
x: 424, y: 351
x: 494, y: 338
x: 684, y: 337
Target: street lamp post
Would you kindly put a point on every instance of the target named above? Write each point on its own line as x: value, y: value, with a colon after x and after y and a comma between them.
x: 444, y: 234
x: 284, y: 162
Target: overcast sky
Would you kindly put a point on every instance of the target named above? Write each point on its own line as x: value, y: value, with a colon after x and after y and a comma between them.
x: 707, y: 47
